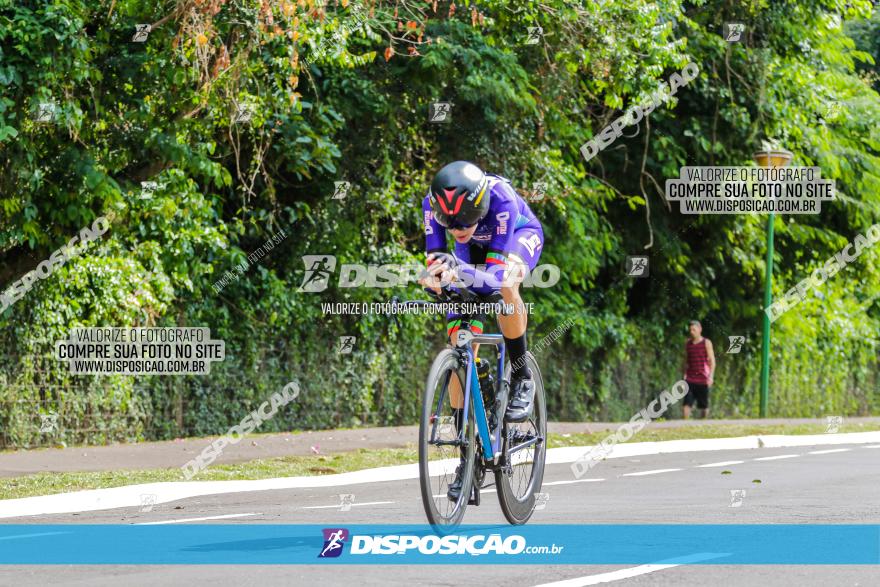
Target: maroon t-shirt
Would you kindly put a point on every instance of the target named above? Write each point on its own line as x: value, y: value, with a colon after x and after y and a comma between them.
x: 697, y: 362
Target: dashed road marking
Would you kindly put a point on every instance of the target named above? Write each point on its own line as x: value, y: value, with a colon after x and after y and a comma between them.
x: 633, y: 571
x: 570, y: 482
x: 776, y: 457
x: 721, y: 464
x: 654, y: 472
x: 337, y: 506
x: 829, y: 451
x: 223, y: 517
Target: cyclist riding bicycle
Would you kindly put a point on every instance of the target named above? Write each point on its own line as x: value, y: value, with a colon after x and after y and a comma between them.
x: 496, y: 238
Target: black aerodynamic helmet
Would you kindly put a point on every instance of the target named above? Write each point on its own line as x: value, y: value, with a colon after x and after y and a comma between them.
x: 458, y: 195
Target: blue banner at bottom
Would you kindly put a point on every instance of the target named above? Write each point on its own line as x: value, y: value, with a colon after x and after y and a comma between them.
x: 274, y: 544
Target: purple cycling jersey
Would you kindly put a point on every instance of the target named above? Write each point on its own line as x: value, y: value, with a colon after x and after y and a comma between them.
x: 507, y: 213
x: 509, y: 227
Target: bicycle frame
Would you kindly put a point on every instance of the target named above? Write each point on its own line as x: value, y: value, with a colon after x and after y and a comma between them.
x: 491, y: 449
x: 465, y: 341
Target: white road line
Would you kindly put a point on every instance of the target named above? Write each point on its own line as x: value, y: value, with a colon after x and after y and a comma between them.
x: 337, y: 506
x: 608, y: 577
x: 129, y: 496
x: 570, y: 482
x: 654, y: 472
x: 873, y: 446
x: 829, y: 451
x: 224, y: 517
x: 777, y: 457
x: 631, y: 572
x: 721, y: 464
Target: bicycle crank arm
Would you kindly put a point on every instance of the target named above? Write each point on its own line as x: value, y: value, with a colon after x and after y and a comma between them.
x: 525, y: 444
x: 449, y: 443
x: 475, y: 496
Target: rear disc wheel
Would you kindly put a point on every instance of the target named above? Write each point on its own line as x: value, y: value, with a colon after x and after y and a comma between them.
x: 522, y: 473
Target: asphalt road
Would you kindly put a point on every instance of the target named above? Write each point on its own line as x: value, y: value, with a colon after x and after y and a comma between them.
x: 822, y: 484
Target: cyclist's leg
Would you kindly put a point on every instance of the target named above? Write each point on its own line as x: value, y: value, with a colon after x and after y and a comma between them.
x: 456, y: 393
x: 525, y: 254
x: 455, y: 322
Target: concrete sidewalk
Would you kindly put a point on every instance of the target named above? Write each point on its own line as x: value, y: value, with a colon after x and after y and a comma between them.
x: 174, y: 453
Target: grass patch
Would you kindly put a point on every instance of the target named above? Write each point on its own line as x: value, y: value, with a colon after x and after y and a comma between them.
x: 297, y: 466
x: 292, y: 466
x: 650, y: 434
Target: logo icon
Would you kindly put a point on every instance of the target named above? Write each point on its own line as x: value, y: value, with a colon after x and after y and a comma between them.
x: 541, y: 500
x: 148, y: 500
x: 141, y: 32
x: 733, y: 31
x: 833, y: 424
x: 539, y: 189
x: 533, y: 243
x: 319, y: 268
x: 440, y: 112
x: 334, y: 540
x: 535, y: 34
x: 832, y: 111
x: 340, y: 189
x: 46, y: 112
x: 48, y: 423
x: 147, y: 189
x: 345, y: 501
x: 446, y: 427
x: 736, y: 344
x: 454, y: 204
x: 736, y: 497
x: 637, y: 266
x: 243, y: 113
x: 346, y: 344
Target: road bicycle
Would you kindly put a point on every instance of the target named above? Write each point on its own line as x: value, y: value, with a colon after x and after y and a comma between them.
x: 515, y: 452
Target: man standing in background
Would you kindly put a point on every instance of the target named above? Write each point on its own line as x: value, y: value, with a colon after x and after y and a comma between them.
x: 699, y: 369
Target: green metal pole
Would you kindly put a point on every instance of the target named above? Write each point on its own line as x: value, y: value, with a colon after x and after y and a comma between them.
x: 768, y: 299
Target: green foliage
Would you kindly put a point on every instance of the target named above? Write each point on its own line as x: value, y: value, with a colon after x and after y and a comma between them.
x: 341, y: 93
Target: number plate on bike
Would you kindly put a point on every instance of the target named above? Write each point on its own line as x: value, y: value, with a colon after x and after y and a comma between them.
x: 464, y: 338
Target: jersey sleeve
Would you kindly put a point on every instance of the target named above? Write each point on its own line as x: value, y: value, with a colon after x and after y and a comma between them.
x: 505, y: 216
x: 435, y: 235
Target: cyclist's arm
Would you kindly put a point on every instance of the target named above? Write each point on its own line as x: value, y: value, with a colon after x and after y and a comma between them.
x: 435, y: 241
x: 489, y: 281
x: 435, y: 235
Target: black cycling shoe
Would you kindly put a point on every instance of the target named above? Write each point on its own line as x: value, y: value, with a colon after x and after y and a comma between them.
x: 455, y: 487
x: 522, y: 399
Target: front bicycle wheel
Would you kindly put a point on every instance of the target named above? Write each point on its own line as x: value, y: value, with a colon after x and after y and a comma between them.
x: 524, y: 449
x: 440, y: 444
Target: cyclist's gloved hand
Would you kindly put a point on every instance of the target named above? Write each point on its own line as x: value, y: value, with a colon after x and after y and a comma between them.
x: 443, y: 267
x: 438, y: 258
